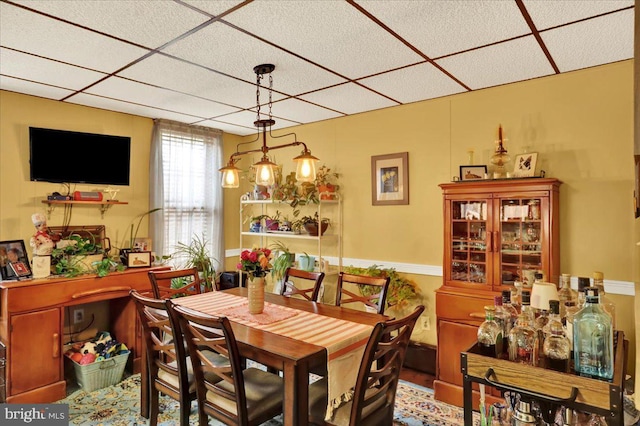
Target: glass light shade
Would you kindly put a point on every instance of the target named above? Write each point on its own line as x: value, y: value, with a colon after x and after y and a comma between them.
x: 541, y: 293
x: 264, y: 172
x: 230, y: 178
x: 306, y: 167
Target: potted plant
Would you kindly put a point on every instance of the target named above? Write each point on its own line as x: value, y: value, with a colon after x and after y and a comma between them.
x: 326, y: 182
x: 283, y: 259
x: 312, y: 224
x: 133, y: 234
x: 75, y: 255
x: 196, y: 255
x: 401, y: 291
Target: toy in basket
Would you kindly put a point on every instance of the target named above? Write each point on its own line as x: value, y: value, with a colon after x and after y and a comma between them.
x: 99, y: 362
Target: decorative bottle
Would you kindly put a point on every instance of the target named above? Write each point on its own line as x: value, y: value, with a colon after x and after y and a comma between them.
x: 490, y: 334
x: 526, y: 308
x: 522, y: 341
x: 509, y: 308
x: 556, y: 347
x: 605, y: 302
x: 565, y: 293
x: 593, y: 339
x: 583, y: 284
x: 504, y: 321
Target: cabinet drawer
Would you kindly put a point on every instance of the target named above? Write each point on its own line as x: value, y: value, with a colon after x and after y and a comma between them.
x: 464, y: 308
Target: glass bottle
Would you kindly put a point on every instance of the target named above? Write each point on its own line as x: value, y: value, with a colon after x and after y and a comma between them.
x: 593, y: 339
x: 565, y: 293
x: 522, y: 340
x: 556, y: 348
x: 490, y: 334
x: 571, y: 308
x: 503, y: 319
x: 509, y: 308
x: 516, y: 295
x: 605, y: 302
x: 526, y: 306
x: 583, y: 284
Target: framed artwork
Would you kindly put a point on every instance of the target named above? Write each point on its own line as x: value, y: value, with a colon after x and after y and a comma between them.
x: 14, y: 261
x: 139, y: 259
x: 390, y: 179
x: 525, y: 165
x: 142, y: 244
x: 472, y: 172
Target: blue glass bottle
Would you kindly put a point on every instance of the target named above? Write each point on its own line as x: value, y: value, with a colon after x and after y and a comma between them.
x: 593, y: 339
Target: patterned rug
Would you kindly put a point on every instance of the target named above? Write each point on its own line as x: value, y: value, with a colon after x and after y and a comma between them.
x: 120, y: 405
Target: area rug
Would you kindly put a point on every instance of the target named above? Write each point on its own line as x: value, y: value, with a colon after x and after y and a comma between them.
x: 119, y: 405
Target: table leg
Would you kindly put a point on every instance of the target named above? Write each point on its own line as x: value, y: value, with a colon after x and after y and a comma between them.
x: 296, y: 395
x: 468, y: 403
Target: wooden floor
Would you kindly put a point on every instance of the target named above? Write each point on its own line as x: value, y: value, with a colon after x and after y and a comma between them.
x: 417, y: 377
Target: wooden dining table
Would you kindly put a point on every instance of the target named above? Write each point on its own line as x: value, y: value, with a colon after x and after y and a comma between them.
x: 295, y: 357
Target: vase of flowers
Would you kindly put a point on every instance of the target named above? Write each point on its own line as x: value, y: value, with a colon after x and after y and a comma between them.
x: 256, y: 263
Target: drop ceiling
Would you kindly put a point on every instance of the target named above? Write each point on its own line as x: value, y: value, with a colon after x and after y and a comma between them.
x: 192, y: 60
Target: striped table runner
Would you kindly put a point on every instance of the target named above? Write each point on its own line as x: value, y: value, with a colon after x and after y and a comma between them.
x: 344, y: 340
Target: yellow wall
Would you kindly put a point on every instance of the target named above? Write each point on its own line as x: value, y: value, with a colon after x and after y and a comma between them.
x: 580, y: 123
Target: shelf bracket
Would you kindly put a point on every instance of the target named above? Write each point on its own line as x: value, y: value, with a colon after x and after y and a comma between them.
x: 50, y: 209
x: 103, y: 209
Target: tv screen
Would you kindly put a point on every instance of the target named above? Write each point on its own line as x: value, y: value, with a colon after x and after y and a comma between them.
x: 75, y: 157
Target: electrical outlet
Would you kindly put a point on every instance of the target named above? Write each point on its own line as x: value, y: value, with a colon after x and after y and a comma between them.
x: 426, y: 323
x: 78, y: 316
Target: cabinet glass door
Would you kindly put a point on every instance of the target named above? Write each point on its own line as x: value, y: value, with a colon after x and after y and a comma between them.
x: 521, y: 239
x: 469, y: 241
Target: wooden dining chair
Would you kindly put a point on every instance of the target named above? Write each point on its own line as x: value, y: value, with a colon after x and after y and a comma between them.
x: 166, y: 370
x: 227, y: 393
x: 177, y: 283
x: 374, y: 393
x: 293, y: 276
x: 373, y: 291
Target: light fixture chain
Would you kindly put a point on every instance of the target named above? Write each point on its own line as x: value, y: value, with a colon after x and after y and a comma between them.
x: 270, y: 94
x: 258, y: 78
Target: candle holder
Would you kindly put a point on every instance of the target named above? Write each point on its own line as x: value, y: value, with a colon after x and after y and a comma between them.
x: 500, y: 158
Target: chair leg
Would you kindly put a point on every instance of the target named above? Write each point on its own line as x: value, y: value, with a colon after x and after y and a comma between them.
x: 154, y: 405
x: 185, y: 410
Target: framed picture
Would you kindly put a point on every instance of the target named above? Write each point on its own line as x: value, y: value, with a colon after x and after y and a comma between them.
x: 472, y: 172
x: 390, y: 179
x: 13, y: 257
x: 525, y: 165
x: 139, y: 259
x: 142, y: 244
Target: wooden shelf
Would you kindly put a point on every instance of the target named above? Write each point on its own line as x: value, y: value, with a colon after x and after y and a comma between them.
x: 104, y: 205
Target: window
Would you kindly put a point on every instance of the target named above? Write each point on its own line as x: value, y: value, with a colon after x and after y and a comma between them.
x: 184, y: 182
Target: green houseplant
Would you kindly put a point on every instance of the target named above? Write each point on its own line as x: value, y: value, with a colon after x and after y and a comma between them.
x: 313, y: 225
x: 326, y: 182
x: 76, y: 255
x: 282, y: 261
x: 196, y: 255
x: 401, y: 291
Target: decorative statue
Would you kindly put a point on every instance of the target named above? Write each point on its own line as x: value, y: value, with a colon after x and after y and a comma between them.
x: 42, y: 242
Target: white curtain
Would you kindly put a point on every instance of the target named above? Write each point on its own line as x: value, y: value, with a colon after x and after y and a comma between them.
x: 184, y: 181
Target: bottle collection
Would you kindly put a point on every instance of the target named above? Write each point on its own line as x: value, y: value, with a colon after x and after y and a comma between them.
x: 574, y: 335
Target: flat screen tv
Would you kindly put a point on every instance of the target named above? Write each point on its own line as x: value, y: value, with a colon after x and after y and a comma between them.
x: 75, y: 157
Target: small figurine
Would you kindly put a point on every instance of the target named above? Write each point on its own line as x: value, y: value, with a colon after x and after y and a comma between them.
x: 42, y: 243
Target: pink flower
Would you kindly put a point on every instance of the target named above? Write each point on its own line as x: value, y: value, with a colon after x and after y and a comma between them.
x: 253, y: 256
x: 239, y: 265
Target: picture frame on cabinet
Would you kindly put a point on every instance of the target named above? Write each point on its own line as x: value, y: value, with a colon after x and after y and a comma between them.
x: 390, y: 179
x: 142, y: 244
x: 472, y: 172
x: 14, y: 260
x: 139, y: 259
x: 525, y: 164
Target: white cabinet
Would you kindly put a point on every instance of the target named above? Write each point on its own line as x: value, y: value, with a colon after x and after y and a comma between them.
x: 326, y: 248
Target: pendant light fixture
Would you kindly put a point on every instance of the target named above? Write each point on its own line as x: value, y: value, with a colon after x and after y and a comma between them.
x: 265, y: 175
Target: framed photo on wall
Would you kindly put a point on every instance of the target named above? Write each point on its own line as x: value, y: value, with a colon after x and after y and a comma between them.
x: 472, y: 172
x: 14, y: 261
x: 390, y: 179
x: 525, y: 165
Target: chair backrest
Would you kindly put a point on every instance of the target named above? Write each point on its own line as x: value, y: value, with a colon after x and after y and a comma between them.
x: 289, y: 287
x: 162, y: 354
x: 375, y: 390
x: 177, y: 283
x: 373, y: 291
x: 205, y: 334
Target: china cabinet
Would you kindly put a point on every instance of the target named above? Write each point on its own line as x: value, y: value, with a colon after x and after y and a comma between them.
x: 496, y: 232
x: 326, y: 248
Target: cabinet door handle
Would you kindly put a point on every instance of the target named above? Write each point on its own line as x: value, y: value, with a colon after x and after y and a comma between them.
x: 490, y: 373
x: 496, y: 241
x: 489, y: 238
x: 56, y: 345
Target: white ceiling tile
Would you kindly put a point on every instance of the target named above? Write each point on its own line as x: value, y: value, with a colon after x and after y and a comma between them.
x: 34, y: 33
x: 46, y: 71
x: 217, y: 47
x: 349, y: 98
x: 143, y: 94
x: 30, y: 88
x: 439, y: 28
x: 415, y: 83
x: 516, y: 60
x: 333, y: 34
x: 547, y: 14
x: 129, y: 108
x: 303, y: 112
x: 150, y: 23
x: 593, y: 42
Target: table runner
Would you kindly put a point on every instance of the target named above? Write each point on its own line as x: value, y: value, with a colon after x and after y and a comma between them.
x: 344, y: 340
